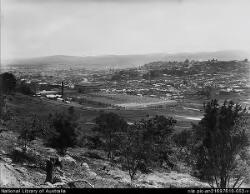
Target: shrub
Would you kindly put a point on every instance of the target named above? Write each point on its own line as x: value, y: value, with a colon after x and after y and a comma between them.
x: 108, y: 126
x: 157, y: 133
x: 7, y: 83
x: 29, y: 131
x: 63, y: 131
x: 182, y: 139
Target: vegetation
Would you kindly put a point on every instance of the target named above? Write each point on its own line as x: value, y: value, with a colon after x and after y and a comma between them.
x: 132, y: 150
x: 125, y: 74
x: 7, y: 83
x: 139, y: 145
x: 220, y: 143
x: 62, y: 133
x: 24, y: 88
x: 183, y: 139
x: 2, y: 106
x: 216, y: 148
x: 108, y: 126
x: 157, y: 136
x: 29, y: 131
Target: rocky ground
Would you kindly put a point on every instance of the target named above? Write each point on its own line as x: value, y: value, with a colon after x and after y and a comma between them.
x: 87, y: 168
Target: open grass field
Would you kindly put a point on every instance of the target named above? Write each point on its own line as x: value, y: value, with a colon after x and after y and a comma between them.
x: 185, y: 112
x: 23, y: 106
x: 123, y: 100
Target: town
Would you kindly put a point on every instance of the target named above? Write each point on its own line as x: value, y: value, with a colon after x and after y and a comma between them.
x: 153, y: 84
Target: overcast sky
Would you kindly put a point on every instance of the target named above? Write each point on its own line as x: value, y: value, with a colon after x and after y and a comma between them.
x: 31, y: 28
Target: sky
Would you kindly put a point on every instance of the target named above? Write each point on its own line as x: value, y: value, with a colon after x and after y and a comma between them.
x: 32, y: 28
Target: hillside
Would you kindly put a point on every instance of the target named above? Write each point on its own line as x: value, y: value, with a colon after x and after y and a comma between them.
x: 91, y: 166
x: 125, y: 61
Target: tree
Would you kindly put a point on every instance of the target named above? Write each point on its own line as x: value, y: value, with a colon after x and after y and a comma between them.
x: 29, y: 131
x: 3, y: 108
x: 182, y: 139
x: 157, y: 138
x: 109, y: 125
x: 7, y: 83
x: 63, y: 131
x: 132, y: 149
x: 186, y: 61
x: 220, y: 144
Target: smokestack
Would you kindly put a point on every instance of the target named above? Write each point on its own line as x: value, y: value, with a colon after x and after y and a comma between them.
x: 62, y: 88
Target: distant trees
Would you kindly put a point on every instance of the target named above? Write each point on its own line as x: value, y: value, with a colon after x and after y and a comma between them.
x: 116, y: 77
x: 7, y: 83
x: 220, y: 142
x: 125, y: 74
x: 208, y: 91
x: 108, y: 126
x: 152, y: 74
x: 63, y: 131
x: 186, y: 61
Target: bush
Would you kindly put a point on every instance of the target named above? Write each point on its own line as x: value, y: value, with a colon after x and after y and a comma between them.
x: 7, y: 83
x: 29, y: 131
x: 147, y: 143
x: 94, y: 142
x: 133, y: 150
x: 18, y: 156
x: 63, y: 131
x: 183, y: 139
x: 5, y: 114
x: 109, y: 125
x: 157, y: 133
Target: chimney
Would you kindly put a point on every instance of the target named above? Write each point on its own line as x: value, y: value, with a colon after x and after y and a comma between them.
x: 62, y: 88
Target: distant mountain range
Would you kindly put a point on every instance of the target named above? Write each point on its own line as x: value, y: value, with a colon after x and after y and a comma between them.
x: 125, y: 61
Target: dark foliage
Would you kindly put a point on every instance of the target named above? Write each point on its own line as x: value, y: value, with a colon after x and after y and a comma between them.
x: 147, y: 143
x: 109, y: 125
x: 94, y: 142
x: 157, y: 134
x: 7, y: 83
x: 183, y: 138
x: 63, y: 131
x: 133, y: 151
x: 29, y: 130
x: 24, y: 88
x: 220, y: 144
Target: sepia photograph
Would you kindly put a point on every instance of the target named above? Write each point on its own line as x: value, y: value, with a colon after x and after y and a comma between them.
x: 125, y: 94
